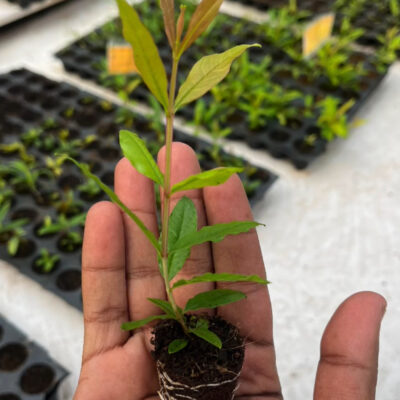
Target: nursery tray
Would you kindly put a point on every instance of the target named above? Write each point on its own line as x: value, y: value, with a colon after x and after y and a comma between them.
x: 14, y: 10
x: 26, y: 370
x: 374, y: 17
x: 312, y: 6
x: 29, y: 101
x: 86, y: 57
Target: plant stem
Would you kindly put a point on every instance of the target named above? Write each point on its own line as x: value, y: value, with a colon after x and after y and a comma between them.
x: 293, y: 6
x: 167, y: 188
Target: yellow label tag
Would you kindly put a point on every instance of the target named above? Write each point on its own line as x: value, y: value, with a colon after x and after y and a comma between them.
x: 120, y: 59
x: 317, y: 32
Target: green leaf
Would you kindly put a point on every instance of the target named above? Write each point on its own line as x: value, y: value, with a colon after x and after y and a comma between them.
x: 214, y: 234
x: 163, y: 305
x: 207, y: 73
x: 208, y: 336
x: 213, y: 177
x: 213, y: 299
x: 12, y: 245
x: 205, y: 13
x: 168, y: 9
x: 147, y: 57
x: 134, y: 149
x: 115, y: 199
x: 130, y: 326
x: 224, y: 277
x: 177, y: 345
x: 183, y: 221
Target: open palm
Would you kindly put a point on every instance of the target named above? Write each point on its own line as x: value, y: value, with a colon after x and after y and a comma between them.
x: 120, y: 272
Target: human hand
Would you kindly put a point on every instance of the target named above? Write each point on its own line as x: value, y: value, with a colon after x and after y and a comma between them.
x: 120, y: 271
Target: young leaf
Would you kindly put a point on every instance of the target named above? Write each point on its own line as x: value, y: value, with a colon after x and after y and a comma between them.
x: 147, y: 57
x: 180, y: 25
x: 163, y: 305
x: 12, y: 245
x: 207, y: 73
x: 208, y: 336
x: 205, y: 13
x: 213, y: 177
x: 130, y: 326
x: 224, y: 277
x: 134, y: 149
x: 213, y: 299
x: 183, y: 221
x: 168, y: 9
x: 115, y: 199
x: 214, y: 233
x: 177, y: 345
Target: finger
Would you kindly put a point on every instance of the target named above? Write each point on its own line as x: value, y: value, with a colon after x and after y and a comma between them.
x: 242, y: 255
x: 349, y: 350
x: 142, y: 272
x: 103, y: 280
x: 185, y: 164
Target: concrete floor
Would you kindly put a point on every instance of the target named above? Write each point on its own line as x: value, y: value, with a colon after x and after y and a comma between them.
x: 331, y: 230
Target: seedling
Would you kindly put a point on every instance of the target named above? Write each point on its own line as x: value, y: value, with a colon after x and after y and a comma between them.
x: 23, y: 176
x: 70, y: 241
x: 333, y: 119
x: 390, y: 47
x: 46, y: 262
x: 17, y: 147
x: 11, y: 232
x: 62, y: 224
x: 90, y: 189
x: 179, y: 228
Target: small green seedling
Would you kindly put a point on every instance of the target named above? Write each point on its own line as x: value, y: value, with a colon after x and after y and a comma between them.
x: 62, y: 224
x: 46, y: 262
x: 179, y: 228
x: 11, y: 232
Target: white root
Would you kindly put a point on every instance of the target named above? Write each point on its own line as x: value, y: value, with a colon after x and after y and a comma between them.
x: 169, y: 386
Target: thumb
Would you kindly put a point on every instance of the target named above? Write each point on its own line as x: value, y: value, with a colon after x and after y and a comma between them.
x: 348, y: 366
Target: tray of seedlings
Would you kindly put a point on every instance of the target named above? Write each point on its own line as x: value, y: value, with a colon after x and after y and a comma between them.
x: 274, y: 99
x: 380, y: 21
x: 26, y: 370
x: 43, y: 199
x: 14, y: 10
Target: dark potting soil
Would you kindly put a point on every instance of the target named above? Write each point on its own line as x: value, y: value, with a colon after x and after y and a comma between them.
x: 31, y: 103
x: 26, y: 371
x: 86, y: 57
x: 199, y: 364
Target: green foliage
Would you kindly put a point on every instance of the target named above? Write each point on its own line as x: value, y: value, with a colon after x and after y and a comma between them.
x: 207, y: 73
x: 147, y: 58
x: 201, y: 330
x: 62, y: 224
x: 177, y: 345
x: 213, y: 299
x: 134, y: 149
x: 333, y: 118
x: 179, y: 229
x: 46, y: 261
x: 214, y: 233
x: 224, y: 277
x: 390, y: 48
x: 11, y: 232
x: 182, y: 222
x: 214, y: 177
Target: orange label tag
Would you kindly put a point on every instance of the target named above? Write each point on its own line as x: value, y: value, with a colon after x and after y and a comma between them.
x: 317, y: 32
x: 120, y: 59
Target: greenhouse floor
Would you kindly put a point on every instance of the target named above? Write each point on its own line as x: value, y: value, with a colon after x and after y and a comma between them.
x: 331, y: 230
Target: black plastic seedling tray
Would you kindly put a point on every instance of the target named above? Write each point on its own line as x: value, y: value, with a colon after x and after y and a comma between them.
x: 29, y: 101
x: 86, y: 57
x: 313, y: 6
x: 26, y: 370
